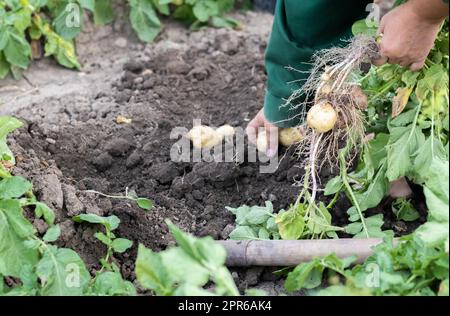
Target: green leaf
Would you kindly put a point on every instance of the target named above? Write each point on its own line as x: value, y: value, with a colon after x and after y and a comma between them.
x: 223, y: 22
x: 17, y: 50
x: 42, y: 210
x: 162, y: 7
x: 144, y: 20
x: 103, y: 12
x: 14, y: 228
x: 360, y: 27
x: 436, y: 190
x: 14, y: 187
x: 433, y: 233
x: 333, y: 186
x: 184, y: 269
x: 432, y: 148
x: 111, y: 284
x: 103, y: 238
x: 304, y: 276
x: 257, y: 216
x: 404, y: 210
x: 152, y: 273
x: 88, y: 4
x: 190, y: 290
x: 110, y: 222
x: 403, y: 144
x: 376, y: 191
x: 121, y: 245
x: 62, y: 272
x: 145, y: 204
x: 263, y: 234
x: 63, y: 50
x: 4, y: 66
x: 68, y: 22
x: 7, y: 125
x: 291, y: 224
x: 204, y: 9
x: 52, y: 234
x: 240, y: 213
x: 14, y: 214
x: 22, y: 19
x: 243, y: 233
x: 202, y: 249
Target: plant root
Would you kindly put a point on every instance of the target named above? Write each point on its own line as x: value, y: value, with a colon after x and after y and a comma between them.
x: 330, y: 81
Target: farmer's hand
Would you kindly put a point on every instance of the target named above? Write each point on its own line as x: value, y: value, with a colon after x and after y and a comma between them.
x: 409, y: 31
x: 258, y: 124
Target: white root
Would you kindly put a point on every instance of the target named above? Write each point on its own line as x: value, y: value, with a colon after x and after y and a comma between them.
x: 313, y: 160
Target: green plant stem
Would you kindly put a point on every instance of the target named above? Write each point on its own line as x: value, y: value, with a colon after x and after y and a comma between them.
x: 334, y: 200
x: 350, y: 191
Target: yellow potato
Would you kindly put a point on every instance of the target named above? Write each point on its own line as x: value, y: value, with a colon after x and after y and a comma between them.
x: 261, y: 142
x: 226, y: 131
x: 290, y: 136
x: 204, y: 137
x: 322, y: 117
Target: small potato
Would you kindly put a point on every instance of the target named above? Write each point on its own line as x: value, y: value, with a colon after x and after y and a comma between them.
x: 322, y: 117
x: 290, y: 136
x: 262, y: 142
x: 226, y: 131
x: 204, y: 137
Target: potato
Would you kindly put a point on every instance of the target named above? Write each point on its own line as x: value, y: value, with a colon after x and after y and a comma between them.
x: 226, y: 131
x: 262, y: 142
x: 204, y: 137
x: 322, y: 117
x: 290, y: 136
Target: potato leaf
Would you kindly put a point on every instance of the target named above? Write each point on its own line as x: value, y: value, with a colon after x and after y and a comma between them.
x: 62, y: 272
x: 144, y: 20
x: 112, y: 284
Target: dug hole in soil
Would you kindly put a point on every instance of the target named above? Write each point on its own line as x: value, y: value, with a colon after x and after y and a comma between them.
x: 72, y: 143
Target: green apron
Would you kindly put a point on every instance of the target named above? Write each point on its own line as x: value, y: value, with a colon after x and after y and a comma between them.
x: 300, y: 28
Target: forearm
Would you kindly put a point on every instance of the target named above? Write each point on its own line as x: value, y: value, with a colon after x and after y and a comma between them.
x: 433, y: 10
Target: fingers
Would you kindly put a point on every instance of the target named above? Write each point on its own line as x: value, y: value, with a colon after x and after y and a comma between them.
x: 272, y: 138
x: 253, y: 126
x: 417, y: 65
x: 258, y: 124
x: 380, y: 61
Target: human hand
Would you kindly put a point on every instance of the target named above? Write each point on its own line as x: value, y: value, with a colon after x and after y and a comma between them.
x: 408, y: 34
x: 255, y: 126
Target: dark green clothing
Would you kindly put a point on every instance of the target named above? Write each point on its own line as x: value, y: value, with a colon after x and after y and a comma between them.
x: 300, y: 28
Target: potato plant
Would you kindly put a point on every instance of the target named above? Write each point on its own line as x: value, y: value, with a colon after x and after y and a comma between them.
x: 25, y: 25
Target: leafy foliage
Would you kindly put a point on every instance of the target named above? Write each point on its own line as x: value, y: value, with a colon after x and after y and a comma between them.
x: 56, y: 24
x: 409, y: 268
x: 408, y: 114
x: 186, y: 269
x: 301, y: 221
x: 254, y: 222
